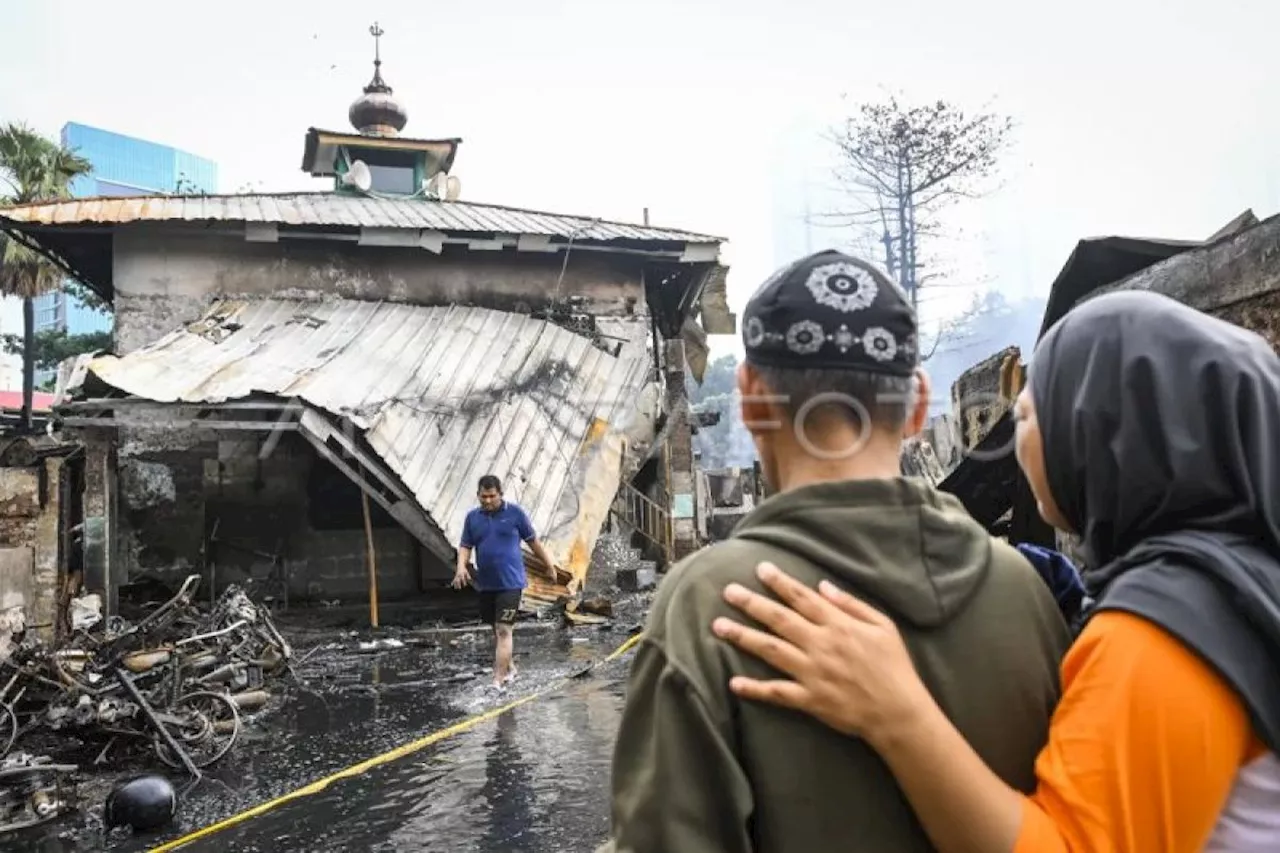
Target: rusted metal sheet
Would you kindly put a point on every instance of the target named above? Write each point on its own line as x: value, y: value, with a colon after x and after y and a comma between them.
x: 717, y: 319
x: 329, y: 209
x: 443, y: 395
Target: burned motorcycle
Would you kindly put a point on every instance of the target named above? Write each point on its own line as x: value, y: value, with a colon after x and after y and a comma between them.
x: 32, y: 790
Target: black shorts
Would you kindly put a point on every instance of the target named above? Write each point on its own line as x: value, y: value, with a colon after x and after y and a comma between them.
x: 499, y: 606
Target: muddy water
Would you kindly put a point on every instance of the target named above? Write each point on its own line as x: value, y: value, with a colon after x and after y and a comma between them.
x: 534, y: 779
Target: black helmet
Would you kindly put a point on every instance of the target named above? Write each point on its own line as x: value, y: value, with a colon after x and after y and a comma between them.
x: 145, y: 802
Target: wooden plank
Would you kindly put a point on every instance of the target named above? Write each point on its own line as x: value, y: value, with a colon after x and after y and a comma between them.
x: 373, y: 560
x: 323, y: 430
x: 101, y: 403
x: 985, y: 481
x: 186, y: 423
x: 408, y: 515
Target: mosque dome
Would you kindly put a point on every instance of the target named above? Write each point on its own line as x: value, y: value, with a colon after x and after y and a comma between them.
x: 377, y: 112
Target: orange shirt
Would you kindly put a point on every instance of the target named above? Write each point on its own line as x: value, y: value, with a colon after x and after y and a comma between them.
x: 1143, y: 748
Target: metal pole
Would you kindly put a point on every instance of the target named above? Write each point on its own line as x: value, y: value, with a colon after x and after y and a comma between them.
x: 132, y: 689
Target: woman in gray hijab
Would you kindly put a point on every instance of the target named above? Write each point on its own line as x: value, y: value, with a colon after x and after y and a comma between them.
x: 1153, y: 432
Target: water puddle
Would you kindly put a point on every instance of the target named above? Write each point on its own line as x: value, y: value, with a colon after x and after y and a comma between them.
x: 533, y: 780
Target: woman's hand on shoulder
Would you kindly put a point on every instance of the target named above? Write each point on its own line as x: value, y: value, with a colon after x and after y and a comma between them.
x: 847, y: 663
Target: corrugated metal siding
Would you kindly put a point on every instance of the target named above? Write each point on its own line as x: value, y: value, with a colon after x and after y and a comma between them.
x: 444, y: 394
x: 333, y: 209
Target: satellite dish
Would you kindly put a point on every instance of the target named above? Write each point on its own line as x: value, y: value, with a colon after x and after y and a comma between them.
x: 358, y: 176
x: 453, y: 188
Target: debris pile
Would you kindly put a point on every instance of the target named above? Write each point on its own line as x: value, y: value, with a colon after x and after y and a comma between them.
x: 173, y: 684
x: 32, y: 790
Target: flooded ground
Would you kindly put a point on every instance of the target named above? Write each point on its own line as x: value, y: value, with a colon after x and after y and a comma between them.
x: 535, y: 776
x: 535, y: 780
x: 532, y: 779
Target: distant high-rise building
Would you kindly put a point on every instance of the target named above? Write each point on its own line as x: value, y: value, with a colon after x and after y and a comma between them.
x: 122, y: 166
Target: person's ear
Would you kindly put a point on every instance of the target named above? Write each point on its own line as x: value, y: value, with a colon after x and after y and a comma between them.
x: 917, y: 404
x: 759, y: 414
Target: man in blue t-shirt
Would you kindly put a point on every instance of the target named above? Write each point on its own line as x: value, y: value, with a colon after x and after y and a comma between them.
x: 494, y: 531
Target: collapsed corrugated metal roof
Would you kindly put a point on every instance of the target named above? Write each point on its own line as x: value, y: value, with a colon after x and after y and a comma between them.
x: 442, y: 395
x: 323, y: 209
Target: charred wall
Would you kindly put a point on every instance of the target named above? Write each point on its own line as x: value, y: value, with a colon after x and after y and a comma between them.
x: 679, y: 470
x: 283, y: 522
x: 1260, y: 314
x: 29, y: 540
x: 167, y: 276
x: 732, y: 494
x: 977, y: 399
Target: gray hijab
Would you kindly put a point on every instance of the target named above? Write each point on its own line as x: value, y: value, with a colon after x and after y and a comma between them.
x: 1161, y: 431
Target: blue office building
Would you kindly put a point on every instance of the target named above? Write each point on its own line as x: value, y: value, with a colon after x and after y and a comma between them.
x: 122, y: 166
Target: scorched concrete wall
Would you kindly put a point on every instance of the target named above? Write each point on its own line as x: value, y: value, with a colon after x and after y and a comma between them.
x: 29, y: 514
x: 166, y: 276
x: 225, y: 501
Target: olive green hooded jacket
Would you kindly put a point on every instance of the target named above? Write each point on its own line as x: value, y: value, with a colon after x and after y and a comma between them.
x: 696, y: 770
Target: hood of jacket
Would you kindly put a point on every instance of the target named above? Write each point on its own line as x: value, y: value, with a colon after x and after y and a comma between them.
x: 901, y: 543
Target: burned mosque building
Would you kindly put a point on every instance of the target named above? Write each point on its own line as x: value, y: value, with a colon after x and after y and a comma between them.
x: 305, y: 387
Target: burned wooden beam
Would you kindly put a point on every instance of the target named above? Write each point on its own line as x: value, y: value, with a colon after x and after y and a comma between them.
x: 107, y: 422
x: 986, y: 479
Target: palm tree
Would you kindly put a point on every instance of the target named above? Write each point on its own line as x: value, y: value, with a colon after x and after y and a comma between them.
x: 34, y: 169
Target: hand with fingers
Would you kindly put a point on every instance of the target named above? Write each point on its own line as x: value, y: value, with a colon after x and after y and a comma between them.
x: 847, y: 663
x: 461, y: 578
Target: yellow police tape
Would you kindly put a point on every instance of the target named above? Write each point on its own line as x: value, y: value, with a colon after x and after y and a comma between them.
x: 378, y: 760
x: 623, y: 649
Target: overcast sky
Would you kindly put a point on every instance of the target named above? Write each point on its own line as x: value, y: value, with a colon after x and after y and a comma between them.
x: 1139, y: 117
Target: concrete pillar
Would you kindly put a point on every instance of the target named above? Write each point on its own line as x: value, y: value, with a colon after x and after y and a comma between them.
x: 47, y: 577
x: 99, y: 524
x: 679, y: 467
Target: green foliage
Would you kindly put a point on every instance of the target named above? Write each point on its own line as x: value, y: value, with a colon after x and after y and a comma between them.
x: 51, y: 347
x: 87, y: 297
x: 185, y: 186
x: 32, y: 169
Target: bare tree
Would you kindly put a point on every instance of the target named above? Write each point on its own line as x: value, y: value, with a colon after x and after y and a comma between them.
x: 953, y: 329
x: 901, y: 166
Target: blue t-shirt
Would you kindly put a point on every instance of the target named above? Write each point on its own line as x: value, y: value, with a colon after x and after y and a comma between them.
x: 495, y: 538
